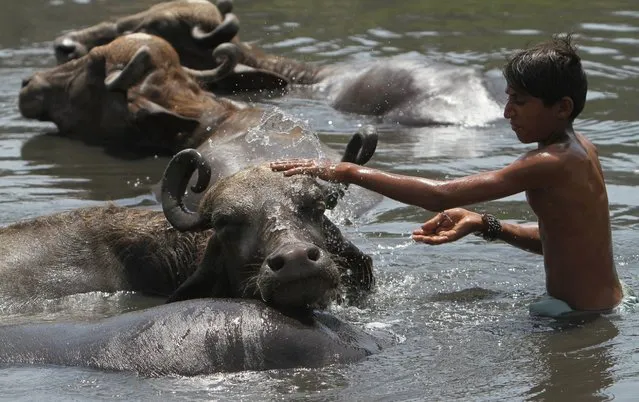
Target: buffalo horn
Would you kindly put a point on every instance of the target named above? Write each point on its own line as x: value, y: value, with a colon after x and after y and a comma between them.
x: 359, y: 150
x: 361, y: 146
x: 228, y: 53
x: 176, y: 178
x: 222, y: 33
x: 139, y: 64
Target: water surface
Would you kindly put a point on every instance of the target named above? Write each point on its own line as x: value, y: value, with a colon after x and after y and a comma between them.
x: 460, y: 310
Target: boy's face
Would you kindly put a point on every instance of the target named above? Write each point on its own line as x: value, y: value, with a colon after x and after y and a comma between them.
x: 530, y: 119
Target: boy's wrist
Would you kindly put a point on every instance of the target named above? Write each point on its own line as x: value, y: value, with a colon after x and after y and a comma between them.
x: 490, y: 227
x: 343, y: 171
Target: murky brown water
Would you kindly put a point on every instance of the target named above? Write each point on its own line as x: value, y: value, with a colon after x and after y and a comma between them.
x: 484, y: 347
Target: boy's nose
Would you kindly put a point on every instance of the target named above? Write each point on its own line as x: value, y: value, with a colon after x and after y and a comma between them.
x: 508, y: 111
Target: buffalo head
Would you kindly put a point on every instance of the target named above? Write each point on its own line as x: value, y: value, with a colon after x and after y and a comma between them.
x: 131, y: 92
x: 192, y: 26
x: 271, y: 239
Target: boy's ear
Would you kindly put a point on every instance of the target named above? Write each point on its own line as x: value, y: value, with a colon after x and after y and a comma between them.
x: 565, y: 107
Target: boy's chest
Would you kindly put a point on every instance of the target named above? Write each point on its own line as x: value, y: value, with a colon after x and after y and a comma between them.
x: 555, y: 209
x: 544, y: 203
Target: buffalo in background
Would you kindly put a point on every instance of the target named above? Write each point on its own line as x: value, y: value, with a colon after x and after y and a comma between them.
x: 133, y: 96
x: 412, y: 93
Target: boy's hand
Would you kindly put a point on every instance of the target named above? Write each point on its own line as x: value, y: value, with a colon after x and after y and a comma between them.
x: 448, y: 226
x: 323, y: 168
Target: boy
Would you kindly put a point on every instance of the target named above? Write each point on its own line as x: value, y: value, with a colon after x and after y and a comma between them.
x: 562, y: 178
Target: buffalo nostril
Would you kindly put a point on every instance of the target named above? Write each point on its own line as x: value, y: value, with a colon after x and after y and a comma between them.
x: 276, y: 263
x: 313, y: 254
x: 25, y: 82
x: 295, y: 257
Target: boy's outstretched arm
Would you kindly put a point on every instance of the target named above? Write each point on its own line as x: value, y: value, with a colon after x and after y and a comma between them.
x: 453, y: 224
x: 533, y: 171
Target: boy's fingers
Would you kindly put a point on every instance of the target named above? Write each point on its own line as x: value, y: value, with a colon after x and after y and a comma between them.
x: 427, y: 232
x: 440, y: 220
x: 290, y: 164
x: 430, y: 225
x: 433, y: 240
x: 439, y: 238
x: 299, y: 170
x: 292, y: 160
x: 448, y: 234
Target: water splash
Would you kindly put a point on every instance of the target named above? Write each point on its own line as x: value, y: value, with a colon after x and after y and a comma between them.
x: 400, y: 246
x: 276, y: 122
x: 431, y: 93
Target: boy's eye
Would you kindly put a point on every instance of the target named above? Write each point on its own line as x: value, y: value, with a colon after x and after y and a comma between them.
x: 516, y: 100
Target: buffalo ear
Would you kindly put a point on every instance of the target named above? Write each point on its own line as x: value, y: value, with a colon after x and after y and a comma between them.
x: 208, y: 280
x: 155, y: 119
x: 245, y: 78
x: 97, y: 67
x: 357, y: 270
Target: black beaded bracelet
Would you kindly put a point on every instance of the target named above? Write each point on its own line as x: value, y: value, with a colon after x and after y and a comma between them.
x: 493, y: 227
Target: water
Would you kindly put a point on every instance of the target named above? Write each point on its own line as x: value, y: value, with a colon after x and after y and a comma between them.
x: 461, y: 309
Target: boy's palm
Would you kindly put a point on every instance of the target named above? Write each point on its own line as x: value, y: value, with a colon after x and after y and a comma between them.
x: 448, y: 226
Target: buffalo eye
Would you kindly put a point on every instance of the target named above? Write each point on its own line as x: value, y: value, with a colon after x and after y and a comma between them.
x: 226, y: 223
x: 158, y: 25
x: 315, y: 210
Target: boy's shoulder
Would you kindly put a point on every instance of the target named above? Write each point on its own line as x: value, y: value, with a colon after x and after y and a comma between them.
x: 575, y: 147
x: 556, y: 160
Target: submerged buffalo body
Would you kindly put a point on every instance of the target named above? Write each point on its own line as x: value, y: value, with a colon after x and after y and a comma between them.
x: 411, y: 93
x: 193, y: 337
x: 260, y: 235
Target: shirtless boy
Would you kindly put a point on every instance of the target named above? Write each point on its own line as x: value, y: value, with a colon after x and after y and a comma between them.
x: 562, y: 179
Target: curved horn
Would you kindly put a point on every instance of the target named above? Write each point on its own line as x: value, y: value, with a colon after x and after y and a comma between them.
x: 362, y: 145
x: 227, y: 54
x: 359, y: 150
x: 174, y: 182
x: 222, y: 33
x: 139, y: 64
x: 225, y: 6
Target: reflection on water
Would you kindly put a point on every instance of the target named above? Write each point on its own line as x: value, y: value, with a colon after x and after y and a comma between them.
x: 461, y: 308
x: 575, y: 362
x: 97, y: 175
x: 78, y: 307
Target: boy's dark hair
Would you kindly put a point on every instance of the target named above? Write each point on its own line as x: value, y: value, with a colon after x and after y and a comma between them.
x: 549, y: 70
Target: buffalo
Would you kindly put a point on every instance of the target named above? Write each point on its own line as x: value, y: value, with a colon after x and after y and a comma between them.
x: 414, y: 93
x: 256, y: 235
x: 193, y: 337
x: 192, y: 26
x: 133, y: 96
